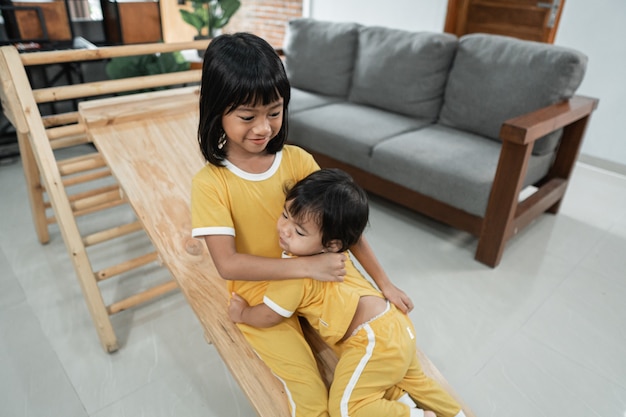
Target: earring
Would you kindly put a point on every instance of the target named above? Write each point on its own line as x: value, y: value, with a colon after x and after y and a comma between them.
x: 221, y: 141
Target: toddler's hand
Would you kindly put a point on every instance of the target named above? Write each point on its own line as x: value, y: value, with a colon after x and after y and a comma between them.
x: 236, y: 308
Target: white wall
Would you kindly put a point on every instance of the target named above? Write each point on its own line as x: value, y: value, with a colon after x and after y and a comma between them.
x: 593, y: 27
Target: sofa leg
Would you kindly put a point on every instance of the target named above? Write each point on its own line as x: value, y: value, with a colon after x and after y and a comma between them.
x: 502, y: 204
x: 554, y: 209
x: 567, y: 154
x: 489, y: 256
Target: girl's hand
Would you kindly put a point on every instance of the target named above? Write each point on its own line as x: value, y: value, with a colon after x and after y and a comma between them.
x: 236, y: 308
x: 326, y: 266
x: 398, y: 298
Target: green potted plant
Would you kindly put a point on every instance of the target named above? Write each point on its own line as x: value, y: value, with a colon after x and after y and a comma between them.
x: 209, y: 14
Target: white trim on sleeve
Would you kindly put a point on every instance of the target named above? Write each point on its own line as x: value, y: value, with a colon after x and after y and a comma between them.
x: 206, y: 231
x: 276, y: 308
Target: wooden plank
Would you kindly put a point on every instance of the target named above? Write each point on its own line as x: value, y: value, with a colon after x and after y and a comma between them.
x: 157, y: 182
x: 118, y: 110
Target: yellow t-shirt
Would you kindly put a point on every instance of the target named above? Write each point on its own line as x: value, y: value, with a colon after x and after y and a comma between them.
x: 328, y: 306
x: 229, y: 201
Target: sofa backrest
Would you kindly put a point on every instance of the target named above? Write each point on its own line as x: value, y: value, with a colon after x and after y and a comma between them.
x: 403, y: 72
x: 494, y: 78
x: 319, y: 55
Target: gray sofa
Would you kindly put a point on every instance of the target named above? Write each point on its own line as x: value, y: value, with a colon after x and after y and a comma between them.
x: 453, y: 128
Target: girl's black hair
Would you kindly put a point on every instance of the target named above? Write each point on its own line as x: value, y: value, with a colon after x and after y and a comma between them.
x: 239, y: 69
x: 332, y: 199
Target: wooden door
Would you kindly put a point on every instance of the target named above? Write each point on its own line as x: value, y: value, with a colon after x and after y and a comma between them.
x: 534, y: 20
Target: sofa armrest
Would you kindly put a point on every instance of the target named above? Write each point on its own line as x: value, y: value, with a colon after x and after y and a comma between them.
x: 536, y: 124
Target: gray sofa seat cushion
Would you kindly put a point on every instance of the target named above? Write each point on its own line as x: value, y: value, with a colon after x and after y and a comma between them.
x: 448, y: 165
x: 400, y: 71
x: 305, y: 100
x: 347, y: 131
x: 494, y: 78
x: 319, y: 56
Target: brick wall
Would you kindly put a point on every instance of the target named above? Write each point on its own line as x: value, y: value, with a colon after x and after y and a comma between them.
x: 265, y: 18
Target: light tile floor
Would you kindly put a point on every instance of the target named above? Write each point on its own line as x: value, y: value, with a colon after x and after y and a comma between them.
x: 544, y: 334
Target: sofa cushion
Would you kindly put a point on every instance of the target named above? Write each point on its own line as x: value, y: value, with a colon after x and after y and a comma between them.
x: 305, y: 100
x: 319, y: 56
x: 455, y: 167
x: 347, y: 131
x: 403, y: 72
x: 494, y: 78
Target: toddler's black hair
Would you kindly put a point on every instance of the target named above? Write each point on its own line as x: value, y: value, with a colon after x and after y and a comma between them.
x: 332, y: 199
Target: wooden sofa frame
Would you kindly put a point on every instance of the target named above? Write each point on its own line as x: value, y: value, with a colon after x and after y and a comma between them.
x: 505, y: 215
x: 186, y: 258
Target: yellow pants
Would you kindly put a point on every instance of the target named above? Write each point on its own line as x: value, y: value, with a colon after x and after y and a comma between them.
x: 285, y: 351
x: 382, y: 354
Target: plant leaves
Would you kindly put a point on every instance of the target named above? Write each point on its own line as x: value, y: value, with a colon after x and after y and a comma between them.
x: 141, y: 65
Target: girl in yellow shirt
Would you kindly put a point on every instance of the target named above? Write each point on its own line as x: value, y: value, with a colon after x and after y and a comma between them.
x: 236, y: 197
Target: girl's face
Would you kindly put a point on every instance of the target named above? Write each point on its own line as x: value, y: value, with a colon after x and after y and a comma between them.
x: 249, y: 128
x: 301, y: 237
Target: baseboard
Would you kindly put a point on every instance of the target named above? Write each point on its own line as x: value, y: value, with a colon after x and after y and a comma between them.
x: 603, y: 164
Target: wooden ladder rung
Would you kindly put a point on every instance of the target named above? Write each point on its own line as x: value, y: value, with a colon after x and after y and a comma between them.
x: 81, y: 163
x: 74, y: 55
x: 69, y: 141
x: 90, y: 176
x: 142, y: 297
x: 64, y: 131
x: 100, y: 207
x: 94, y: 196
x: 67, y: 92
x: 89, y: 198
x: 92, y: 204
x: 112, y: 233
x: 125, y: 266
x: 96, y: 200
x: 60, y: 119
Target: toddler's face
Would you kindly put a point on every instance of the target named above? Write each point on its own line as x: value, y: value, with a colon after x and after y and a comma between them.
x: 301, y: 237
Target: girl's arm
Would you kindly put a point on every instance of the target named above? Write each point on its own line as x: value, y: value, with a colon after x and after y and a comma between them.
x: 232, y: 265
x: 365, y: 255
x: 258, y: 316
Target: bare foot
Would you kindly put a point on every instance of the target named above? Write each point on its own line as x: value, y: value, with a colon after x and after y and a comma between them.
x: 429, y: 414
